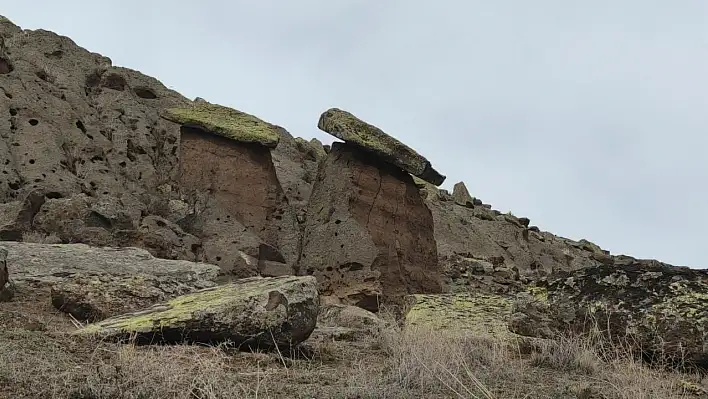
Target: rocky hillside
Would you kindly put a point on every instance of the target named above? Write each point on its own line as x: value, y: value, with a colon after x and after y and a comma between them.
x: 104, y: 155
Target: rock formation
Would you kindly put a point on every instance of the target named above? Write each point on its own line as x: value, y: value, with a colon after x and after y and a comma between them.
x: 229, y: 174
x: 345, y: 126
x: 252, y: 312
x: 368, y: 236
x: 658, y: 309
x: 93, y: 283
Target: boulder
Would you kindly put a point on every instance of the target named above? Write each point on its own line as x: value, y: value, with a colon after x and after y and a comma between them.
x: 482, y: 314
x: 16, y: 216
x: 368, y: 236
x: 253, y: 312
x: 224, y: 121
x: 93, y: 283
x: 345, y: 126
x: 347, y: 316
x: 461, y: 196
x: 658, y: 308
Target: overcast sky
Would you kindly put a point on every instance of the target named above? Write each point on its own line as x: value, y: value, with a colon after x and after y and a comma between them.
x: 590, y: 118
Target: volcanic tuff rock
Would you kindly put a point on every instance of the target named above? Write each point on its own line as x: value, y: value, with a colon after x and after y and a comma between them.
x: 368, y: 235
x: 345, y: 126
x: 256, y: 312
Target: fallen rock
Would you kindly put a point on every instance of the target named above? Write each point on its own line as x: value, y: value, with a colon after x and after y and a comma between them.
x: 657, y: 307
x: 461, y: 196
x: 368, y: 236
x: 347, y: 316
x: 252, y: 312
x: 226, y: 122
x: 93, y: 283
x: 345, y: 126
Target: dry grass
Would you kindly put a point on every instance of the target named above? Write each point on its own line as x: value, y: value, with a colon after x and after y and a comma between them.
x: 37, y: 360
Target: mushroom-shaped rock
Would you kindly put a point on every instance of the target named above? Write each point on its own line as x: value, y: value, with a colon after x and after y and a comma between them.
x: 253, y: 312
x: 226, y: 122
x: 345, y: 126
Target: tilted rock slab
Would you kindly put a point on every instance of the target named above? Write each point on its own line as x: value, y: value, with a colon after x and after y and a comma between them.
x: 368, y: 236
x: 226, y: 122
x: 255, y: 312
x: 347, y: 127
x: 662, y: 309
x: 93, y: 283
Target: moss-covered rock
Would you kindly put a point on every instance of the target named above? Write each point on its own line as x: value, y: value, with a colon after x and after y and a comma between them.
x: 662, y: 309
x: 255, y: 311
x: 478, y: 313
x: 226, y: 122
x: 347, y: 127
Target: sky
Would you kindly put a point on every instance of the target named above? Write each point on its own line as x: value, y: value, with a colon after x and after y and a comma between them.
x: 589, y: 118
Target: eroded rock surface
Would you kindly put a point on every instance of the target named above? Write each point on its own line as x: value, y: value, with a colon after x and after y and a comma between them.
x: 93, y: 283
x: 660, y: 309
x: 258, y: 312
x: 237, y: 190
x: 368, y: 236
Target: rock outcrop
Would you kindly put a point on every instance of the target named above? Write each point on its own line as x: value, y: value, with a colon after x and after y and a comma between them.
x: 354, y: 131
x: 234, y: 183
x: 93, y: 283
x: 480, y: 248
x: 253, y: 312
x: 368, y: 236
x: 658, y: 308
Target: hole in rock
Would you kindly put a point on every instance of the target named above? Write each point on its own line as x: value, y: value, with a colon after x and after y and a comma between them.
x: 5, y: 66
x: 31, y: 161
x: 144, y: 92
x: 218, y: 258
x: 115, y: 82
x: 33, y: 122
x: 80, y: 126
x: 13, y: 112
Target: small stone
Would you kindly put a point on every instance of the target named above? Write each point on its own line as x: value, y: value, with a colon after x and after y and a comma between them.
x: 461, y: 196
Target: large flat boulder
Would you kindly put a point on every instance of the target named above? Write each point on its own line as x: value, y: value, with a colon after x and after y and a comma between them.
x: 368, y: 236
x: 660, y: 309
x: 260, y: 312
x: 347, y: 127
x: 226, y: 122
x: 93, y: 283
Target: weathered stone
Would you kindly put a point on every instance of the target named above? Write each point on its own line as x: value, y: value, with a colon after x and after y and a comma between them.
x: 296, y: 164
x: 347, y: 127
x: 226, y: 122
x: 92, y: 283
x: 347, y: 316
x: 259, y: 312
x: 479, y: 313
x: 162, y: 239
x: 462, y: 196
x: 233, y: 186
x: 368, y: 236
x: 660, y: 308
x: 16, y: 216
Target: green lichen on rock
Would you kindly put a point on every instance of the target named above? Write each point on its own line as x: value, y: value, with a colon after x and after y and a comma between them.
x: 662, y: 309
x: 280, y: 310
x: 347, y: 127
x: 478, y: 313
x: 226, y: 122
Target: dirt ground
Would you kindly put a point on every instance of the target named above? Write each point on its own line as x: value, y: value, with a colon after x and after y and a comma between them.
x: 38, y: 360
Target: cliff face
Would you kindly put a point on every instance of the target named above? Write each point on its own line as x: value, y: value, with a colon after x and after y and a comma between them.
x: 104, y: 155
